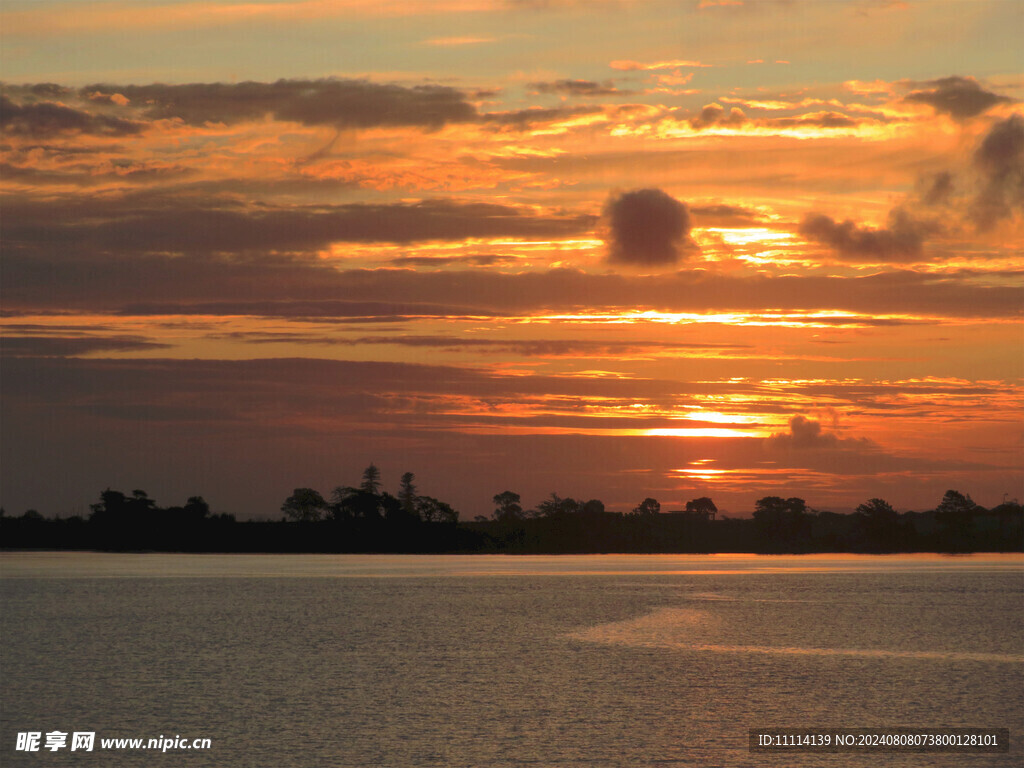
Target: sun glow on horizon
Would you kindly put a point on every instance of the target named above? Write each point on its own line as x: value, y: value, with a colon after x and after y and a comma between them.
x: 704, y: 432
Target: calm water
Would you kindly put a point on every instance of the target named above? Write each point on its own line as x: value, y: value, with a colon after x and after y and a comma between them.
x: 504, y: 661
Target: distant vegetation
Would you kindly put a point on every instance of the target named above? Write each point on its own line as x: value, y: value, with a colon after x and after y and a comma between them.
x: 365, y: 518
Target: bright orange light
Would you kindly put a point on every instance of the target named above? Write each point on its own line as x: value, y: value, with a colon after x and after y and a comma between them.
x: 719, y: 418
x: 703, y: 432
x: 796, y: 319
x: 746, y: 235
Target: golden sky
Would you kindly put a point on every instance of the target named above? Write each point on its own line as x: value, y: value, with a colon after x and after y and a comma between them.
x: 607, y: 249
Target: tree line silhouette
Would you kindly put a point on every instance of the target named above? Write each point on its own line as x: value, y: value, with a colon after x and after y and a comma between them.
x: 365, y: 518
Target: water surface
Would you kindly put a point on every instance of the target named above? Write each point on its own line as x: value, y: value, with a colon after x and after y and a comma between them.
x: 358, y: 660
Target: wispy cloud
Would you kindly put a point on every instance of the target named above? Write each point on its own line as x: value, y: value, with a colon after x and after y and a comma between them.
x: 455, y: 41
x: 630, y: 66
x: 75, y: 18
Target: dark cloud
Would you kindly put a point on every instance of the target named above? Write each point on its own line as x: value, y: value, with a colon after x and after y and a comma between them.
x: 63, y: 151
x: 46, y: 119
x: 522, y: 119
x: 150, y: 225
x: 67, y: 346
x: 938, y: 189
x: 722, y: 215
x: 252, y: 390
x: 86, y: 175
x: 370, y: 311
x: 900, y: 241
x: 807, y: 435
x: 481, y: 260
x: 333, y: 102
x: 803, y: 433
x: 340, y: 104
x: 816, y: 120
x: 525, y: 347
x: 1000, y: 161
x: 376, y: 312
x: 715, y: 115
x: 48, y: 90
x: 958, y: 97
x: 646, y: 227
x: 45, y: 277
x: 1003, y: 147
x: 577, y: 88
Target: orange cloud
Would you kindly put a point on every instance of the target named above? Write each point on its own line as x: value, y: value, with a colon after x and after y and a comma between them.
x: 75, y: 18
x: 451, y: 41
x: 630, y: 66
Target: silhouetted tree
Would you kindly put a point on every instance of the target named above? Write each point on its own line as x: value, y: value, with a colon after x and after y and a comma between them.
x: 393, y: 511
x: 110, y: 508
x: 702, y: 506
x: 371, y: 480
x: 1010, y: 518
x: 304, y: 505
x: 783, y: 522
x: 337, y: 508
x: 955, y: 503
x: 407, y: 493
x: 121, y: 521
x: 648, y: 506
x: 117, y: 509
x: 508, y: 507
x: 355, y: 503
x: 556, y: 506
x: 196, y: 509
x: 433, y: 511
x: 880, y: 524
x: 955, y: 514
x: 379, y: 522
x: 876, y: 508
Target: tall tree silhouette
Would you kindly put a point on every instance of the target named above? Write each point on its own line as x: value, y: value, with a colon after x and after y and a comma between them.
x: 407, y: 493
x: 955, y: 514
x: 508, y: 507
x: 371, y: 480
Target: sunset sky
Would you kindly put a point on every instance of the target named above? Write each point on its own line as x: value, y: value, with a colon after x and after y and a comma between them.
x: 606, y: 249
